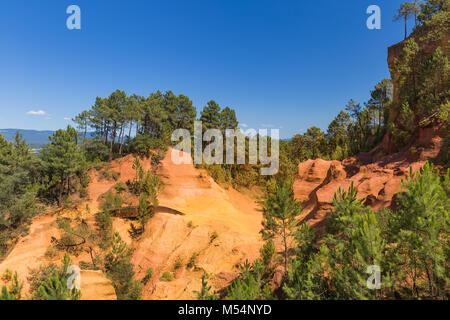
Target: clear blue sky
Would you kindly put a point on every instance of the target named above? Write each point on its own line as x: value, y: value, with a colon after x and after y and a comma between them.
x: 287, y: 64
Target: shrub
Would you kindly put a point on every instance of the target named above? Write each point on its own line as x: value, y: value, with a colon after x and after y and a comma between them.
x: 7, y: 275
x: 111, y: 202
x: 166, y: 276
x: 178, y: 263
x: 205, y: 292
x: 104, y: 223
x: 5, y: 295
x: 120, y: 270
x: 219, y: 173
x: 213, y: 237
x: 83, y: 192
x: 104, y: 175
x: 148, y: 275
x: 143, y: 144
x: 120, y: 187
x: 96, y: 151
x: 51, y: 252
x: 55, y: 288
x: 115, y: 175
x: 15, y: 289
x: 50, y: 282
x: 192, y: 260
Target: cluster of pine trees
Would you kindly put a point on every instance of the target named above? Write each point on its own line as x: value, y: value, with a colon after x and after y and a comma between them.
x: 410, y: 248
x: 18, y: 189
x: 354, y: 130
x: 117, y: 118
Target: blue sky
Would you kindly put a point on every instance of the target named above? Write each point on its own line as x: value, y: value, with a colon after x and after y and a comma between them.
x: 286, y: 64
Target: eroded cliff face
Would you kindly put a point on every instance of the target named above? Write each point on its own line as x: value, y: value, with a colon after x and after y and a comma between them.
x: 428, y: 40
x: 377, y: 178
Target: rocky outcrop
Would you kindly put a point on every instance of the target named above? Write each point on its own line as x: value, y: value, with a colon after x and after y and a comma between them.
x: 377, y: 178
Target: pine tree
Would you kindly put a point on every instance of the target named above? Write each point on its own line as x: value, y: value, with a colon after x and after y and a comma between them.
x: 280, y: 210
x: 355, y: 243
x: 5, y: 295
x: 420, y: 229
x: 62, y: 160
x: 55, y: 288
x: 304, y: 278
x: 205, y: 291
x: 405, y: 11
x: 210, y: 116
x: 120, y: 270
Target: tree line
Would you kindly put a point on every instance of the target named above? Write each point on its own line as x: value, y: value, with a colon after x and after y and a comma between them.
x: 116, y: 118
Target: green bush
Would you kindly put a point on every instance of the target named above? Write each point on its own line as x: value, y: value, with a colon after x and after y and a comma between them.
x: 104, y: 223
x: 111, y: 202
x: 192, y: 260
x: 144, y: 144
x: 148, y: 275
x: 50, y: 282
x: 115, y: 175
x: 213, y: 237
x: 7, y: 275
x: 166, y: 276
x: 121, y: 271
x: 120, y: 187
x: 178, y: 263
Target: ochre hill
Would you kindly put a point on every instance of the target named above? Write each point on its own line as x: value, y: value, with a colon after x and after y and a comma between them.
x: 220, y: 228
x: 209, y: 210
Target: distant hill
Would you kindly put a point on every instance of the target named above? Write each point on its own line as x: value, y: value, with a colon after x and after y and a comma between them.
x: 36, y: 139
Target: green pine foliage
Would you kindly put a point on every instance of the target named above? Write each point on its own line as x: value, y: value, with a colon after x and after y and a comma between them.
x: 50, y: 282
x: 410, y: 246
x: 205, y: 291
x: 14, y: 291
x: 19, y: 178
x: 62, y: 162
x: 419, y: 231
x: 55, y: 288
x: 120, y: 270
x: 280, y: 210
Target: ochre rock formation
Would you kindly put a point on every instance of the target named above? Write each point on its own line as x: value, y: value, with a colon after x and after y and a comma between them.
x: 377, y: 178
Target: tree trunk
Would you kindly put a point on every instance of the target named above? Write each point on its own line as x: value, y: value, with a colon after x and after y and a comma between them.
x: 406, y: 24
x: 121, y: 139
x: 61, y: 190
x: 113, y: 140
x: 285, y: 249
x: 105, y: 133
x: 131, y: 127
